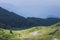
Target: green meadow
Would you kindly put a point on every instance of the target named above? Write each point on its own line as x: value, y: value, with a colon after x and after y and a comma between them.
x: 34, y: 33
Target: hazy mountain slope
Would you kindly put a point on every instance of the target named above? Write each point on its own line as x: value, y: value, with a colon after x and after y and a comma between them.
x: 37, y: 21
x: 43, y: 22
x: 51, y: 21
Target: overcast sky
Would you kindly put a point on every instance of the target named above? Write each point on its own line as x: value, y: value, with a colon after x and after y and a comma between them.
x: 33, y: 8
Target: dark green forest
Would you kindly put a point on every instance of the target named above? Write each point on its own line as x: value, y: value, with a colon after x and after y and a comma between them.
x: 11, y: 20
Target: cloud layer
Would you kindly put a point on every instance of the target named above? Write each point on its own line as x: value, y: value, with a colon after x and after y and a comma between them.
x: 34, y: 2
x: 33, y: 8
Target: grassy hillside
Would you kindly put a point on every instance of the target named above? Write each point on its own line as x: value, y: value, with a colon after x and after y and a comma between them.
x: 35, y: 33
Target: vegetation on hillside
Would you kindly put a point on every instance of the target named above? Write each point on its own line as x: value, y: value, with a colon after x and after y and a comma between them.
x: 13, y: 20
x: 35, y: 33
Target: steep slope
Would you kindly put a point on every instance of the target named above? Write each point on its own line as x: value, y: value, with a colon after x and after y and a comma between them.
x: 12, y: 19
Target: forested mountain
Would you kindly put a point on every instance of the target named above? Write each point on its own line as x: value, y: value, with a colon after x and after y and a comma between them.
x: 37, y: 21
x: 43, y: 22
x: 12, y: 20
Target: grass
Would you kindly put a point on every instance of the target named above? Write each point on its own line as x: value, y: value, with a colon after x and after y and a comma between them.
x: 27, y: 33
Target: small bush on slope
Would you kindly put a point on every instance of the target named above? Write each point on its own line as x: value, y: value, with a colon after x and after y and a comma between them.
x: 5, y: 35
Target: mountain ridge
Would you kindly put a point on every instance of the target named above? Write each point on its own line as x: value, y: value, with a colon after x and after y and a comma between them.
x: 15, y: 20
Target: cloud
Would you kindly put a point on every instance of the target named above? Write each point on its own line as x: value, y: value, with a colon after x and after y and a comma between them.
x: 32, y: 2
x: 36, y: 8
